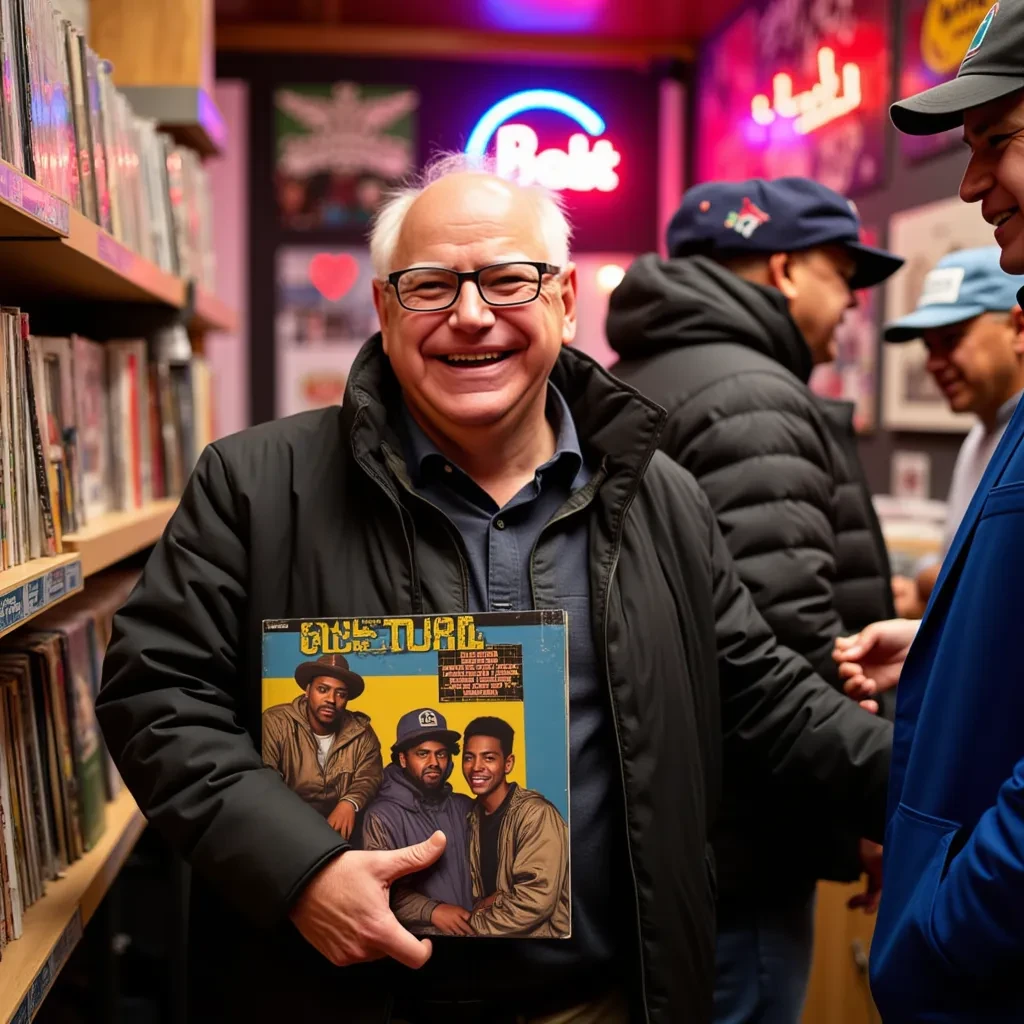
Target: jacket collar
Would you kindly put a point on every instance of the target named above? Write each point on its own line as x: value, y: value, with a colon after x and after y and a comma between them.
x: 615, y: 425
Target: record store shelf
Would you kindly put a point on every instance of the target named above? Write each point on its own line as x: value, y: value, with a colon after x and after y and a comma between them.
x: 31, y: 588
x: 112, y: 537
x: 53, y: 925
x: 50, y: 250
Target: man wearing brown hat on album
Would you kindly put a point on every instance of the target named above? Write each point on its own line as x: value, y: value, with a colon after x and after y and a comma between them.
x: 329, y: 755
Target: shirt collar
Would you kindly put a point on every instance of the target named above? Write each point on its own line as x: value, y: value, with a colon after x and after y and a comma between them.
x: 422, y: 455
x: 1006, y: 410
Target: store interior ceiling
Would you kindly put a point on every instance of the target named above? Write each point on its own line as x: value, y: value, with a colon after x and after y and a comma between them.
x: 683, y: 22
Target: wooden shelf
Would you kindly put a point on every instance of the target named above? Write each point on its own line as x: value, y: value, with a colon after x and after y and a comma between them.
x: 26, y: 590
x: 53, y: 925
x: 445, y: 44
x: 213, y: 315
x: 117, y: 535
x: 86, y: 264
x: 53, y: 255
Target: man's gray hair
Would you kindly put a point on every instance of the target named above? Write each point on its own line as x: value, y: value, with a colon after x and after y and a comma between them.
x: 387, y: 224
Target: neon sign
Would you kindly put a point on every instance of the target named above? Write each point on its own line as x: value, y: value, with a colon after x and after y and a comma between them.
x: 830, y: 97
x: 579, y: 167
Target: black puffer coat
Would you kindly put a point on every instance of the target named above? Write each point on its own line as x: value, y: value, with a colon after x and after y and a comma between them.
x: 780, y: 468
x: 315, y: 514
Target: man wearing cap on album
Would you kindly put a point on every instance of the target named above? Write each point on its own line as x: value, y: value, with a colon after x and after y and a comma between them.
x: 969, y: 321
x: 949, y: 940
x: 329, y: 755
x: 414, y: 801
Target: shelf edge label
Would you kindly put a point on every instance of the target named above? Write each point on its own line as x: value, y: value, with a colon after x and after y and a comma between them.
x: 25, y: 600
x: 25, y: 194
x: 47, y: 974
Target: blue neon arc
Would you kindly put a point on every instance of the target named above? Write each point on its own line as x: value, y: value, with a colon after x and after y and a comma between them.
x: 532, y: 99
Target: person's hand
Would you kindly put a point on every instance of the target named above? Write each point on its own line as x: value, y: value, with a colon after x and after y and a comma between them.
x: 870, y: 661
x: 344, y: 912
x: 343, y: 819
x: 871, y: 861
x: 485, y: 902
x: 451, y: 920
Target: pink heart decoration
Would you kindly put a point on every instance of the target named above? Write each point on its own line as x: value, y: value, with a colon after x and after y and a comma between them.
x: 333, y: 275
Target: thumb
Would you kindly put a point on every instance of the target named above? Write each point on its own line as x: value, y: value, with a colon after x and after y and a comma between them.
x: 396, y: 863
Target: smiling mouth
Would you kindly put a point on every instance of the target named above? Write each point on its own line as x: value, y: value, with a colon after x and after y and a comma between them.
x: 474, y: 358
x: 478, y: 780
x: 1000, y: 219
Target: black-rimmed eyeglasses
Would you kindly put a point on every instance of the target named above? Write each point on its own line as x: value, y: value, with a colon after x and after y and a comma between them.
x: 430, y: 289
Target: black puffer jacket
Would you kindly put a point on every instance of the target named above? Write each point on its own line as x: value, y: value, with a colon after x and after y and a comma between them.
x: 780, y: 468
x: 316, y: 514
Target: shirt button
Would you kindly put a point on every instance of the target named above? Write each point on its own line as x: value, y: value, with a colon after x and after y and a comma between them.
x: 499, y: 523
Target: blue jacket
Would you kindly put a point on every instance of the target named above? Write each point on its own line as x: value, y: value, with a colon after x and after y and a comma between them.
x: 949, y: 940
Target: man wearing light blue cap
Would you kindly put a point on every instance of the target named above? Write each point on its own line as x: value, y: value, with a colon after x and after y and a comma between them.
x: 970, y: 322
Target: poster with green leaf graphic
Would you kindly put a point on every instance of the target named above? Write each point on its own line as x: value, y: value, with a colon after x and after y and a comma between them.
x: 339, y: 147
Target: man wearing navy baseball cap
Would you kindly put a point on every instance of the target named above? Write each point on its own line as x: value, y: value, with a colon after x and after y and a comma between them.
x: 949, y: 940
x: 724, y: 334
x: 414, y: 801
x: 969, y: 320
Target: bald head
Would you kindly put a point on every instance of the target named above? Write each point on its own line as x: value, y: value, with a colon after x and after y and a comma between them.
x: 456, y: 198
x: 458, y: 211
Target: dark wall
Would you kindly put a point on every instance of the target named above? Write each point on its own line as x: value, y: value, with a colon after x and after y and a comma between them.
x: 910, y: 185
x: 453, y: 95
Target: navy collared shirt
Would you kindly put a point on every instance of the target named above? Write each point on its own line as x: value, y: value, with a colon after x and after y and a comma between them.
x: 498, y: 544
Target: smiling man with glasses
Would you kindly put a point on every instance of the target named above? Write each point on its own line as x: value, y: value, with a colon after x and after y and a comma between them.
x: 949, y: 943
x: 477, y: 463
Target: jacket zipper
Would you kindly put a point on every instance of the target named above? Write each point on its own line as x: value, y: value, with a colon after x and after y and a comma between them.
x: 598, y: 479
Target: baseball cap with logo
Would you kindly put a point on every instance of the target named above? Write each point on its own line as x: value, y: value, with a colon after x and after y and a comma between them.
x: 961, y: 286
x: 782, y: 215
x: 420, y: 724
x: 992, y: 68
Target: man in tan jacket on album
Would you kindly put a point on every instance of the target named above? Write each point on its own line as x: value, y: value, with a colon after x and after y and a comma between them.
x: 329, y: 755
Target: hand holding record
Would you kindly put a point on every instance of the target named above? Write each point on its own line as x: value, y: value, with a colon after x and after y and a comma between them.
x: 344, y: 911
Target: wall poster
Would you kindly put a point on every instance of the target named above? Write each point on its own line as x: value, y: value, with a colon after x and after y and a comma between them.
x: 324, y: 315
x: 338, y: 149
x: 923, y: 235
x: 797, y: 87
x: 936, y: 34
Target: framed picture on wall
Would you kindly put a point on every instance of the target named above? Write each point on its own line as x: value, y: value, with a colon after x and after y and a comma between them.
x: 325, y: 313
x: 853, y: 375
x: 339, y: 148
x: 923, y: 235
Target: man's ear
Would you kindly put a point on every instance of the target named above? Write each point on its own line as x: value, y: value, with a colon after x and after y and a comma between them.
x: 510, y: 763
x: 779, y: 264
x: 401, y: 760
x: 568, y: 286
x: 380, y: 303
x: 1017, y: 319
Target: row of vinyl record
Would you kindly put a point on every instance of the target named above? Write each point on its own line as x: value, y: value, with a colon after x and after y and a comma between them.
x: 56, y: 776
x: 65, y: 124
x: 92, y: 428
